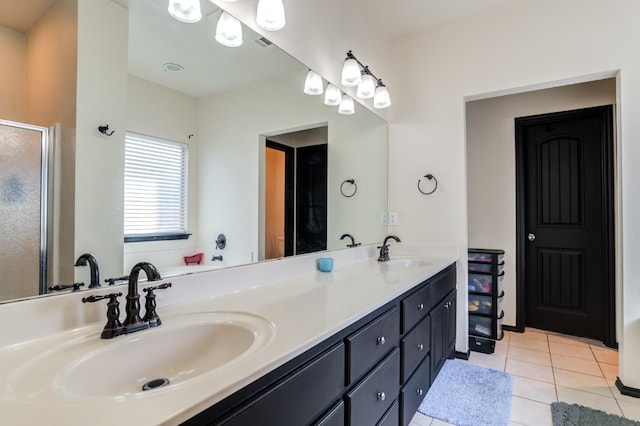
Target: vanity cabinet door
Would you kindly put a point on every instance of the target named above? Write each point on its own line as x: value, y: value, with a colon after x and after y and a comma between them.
x: 368, y: 401
x: 372, y: 342
x: 413, y: 392
x: 299, y: 398
x: 443, y: 332
x: 415, y: 307
x: 391, y: 417
x: 335, y: 416
x: 414, y: 347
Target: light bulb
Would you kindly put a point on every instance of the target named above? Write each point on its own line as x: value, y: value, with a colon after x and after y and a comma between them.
x: 351, y: 75
x: 381, y: 98
x: 346, y: 106
x: 228, y: 31
x: 332, y: 96
x: 366, y: 88
x: 313, y: 84
x: 270, y: 15
x: 185, y: 10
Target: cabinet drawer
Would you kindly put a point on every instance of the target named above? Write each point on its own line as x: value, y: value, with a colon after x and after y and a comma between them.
x: 368, y: 345
x: 414, y: 392
x: 442, y: 285
x: 334, y: 417
x: 391, y: 417
x: 300, y: 397
x: 372, y: 397
x: 415, y: 307
x: 414, y: 347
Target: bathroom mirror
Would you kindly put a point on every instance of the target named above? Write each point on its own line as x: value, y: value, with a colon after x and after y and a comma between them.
x: 226, y: 103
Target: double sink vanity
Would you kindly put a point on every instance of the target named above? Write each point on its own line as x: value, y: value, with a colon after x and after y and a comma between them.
x: 277, y: 341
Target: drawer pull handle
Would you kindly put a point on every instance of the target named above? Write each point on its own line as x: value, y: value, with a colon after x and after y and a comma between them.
x: 420, y: 306
x: 419, y: 392
x: 420, y: 347
x: 381, y: 340
x: 381, y: 396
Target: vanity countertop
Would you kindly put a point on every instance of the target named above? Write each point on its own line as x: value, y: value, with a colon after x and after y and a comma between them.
x: 303, y: 310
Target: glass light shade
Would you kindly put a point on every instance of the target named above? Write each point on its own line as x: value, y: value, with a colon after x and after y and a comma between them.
x: 270, y: 15
x: 185, y: 10
x: 346, y: 106
x: 226, y: 1
x: 228, y: 31
x: 366, y: 88
x: 381, y: 98
x: 332, y: 96
x: 313, y: 84
x: 351, y: 75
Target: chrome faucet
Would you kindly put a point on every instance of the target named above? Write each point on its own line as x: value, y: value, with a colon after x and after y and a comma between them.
x: 353, y: 241
x: 133, y: 322
x: 384, y: 248
x: 90, y: 259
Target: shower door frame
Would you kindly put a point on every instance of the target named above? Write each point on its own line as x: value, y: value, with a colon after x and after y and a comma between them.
x: 44, y: 197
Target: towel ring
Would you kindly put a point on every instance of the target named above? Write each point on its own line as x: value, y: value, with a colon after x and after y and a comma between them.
x: 355, y: 187
x: 430, y: 177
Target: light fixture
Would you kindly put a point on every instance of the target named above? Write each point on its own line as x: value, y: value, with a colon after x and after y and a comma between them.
x: 270, y: 15
x: 346, y: 106
x: 367, y: 86
x: 381, y: 98
x: 313, y: 84
x: 351, y: 75
x: 332, y: 96
x: 228, y: 31
x: 185, y: 10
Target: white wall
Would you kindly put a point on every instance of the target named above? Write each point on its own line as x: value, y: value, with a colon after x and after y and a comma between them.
x: 517, y: 47
x: 491, y: 161
x: 231, y: 147
x: 13, y: 51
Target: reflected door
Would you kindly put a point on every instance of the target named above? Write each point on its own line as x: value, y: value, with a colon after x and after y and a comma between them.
x: 23, y: 209
x: 278, y: 241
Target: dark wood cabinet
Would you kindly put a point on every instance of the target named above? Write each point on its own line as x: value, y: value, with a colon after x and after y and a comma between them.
x: 374, y: 372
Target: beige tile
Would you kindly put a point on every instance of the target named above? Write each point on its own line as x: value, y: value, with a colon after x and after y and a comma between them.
x: 579, y: 365
x: 588, y: 399
x: 609, y: 371
x: 529, y: 355
x: 530, y: 370
x: 608, y: 356
x: 438, y: 422
x: 630, y: 410
x: 420, y: 419
x: 526, y: 342
x: 584, y: 382
x: 533, y: 333
x: 534, y: 390
x: 531, y: 413
x: 571, y: 350
x: 568, y: 340
x: 618, y: 396
x: 493, y: 361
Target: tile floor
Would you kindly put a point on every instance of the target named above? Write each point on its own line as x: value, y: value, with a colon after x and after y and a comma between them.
x: 548, y: 367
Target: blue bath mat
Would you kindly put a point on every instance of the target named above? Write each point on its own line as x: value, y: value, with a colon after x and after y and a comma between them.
x: 468, y: 395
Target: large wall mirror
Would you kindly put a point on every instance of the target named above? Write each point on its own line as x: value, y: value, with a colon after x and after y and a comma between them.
x: 229, y: 106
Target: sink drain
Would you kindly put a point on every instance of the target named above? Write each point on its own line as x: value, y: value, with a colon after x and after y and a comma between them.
x: 155, y: 384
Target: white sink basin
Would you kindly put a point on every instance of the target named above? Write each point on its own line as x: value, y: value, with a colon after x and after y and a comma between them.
x: 406, y: 262
x: 182, y: 348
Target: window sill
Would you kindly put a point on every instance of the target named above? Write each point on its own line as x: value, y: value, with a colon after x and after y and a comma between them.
x: 160, y: 237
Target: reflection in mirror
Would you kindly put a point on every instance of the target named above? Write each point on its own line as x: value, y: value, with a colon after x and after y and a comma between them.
x: 226, y: 104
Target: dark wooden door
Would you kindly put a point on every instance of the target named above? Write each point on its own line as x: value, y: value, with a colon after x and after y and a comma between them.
x: 565, y: 208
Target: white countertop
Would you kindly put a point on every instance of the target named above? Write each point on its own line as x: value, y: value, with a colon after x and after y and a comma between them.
x: 303, y: 308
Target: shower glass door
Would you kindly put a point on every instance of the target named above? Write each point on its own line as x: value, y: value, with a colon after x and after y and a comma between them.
x: 23, y: 209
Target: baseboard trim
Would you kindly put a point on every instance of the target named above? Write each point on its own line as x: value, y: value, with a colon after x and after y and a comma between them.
x: 512, y: 328
x: 463, y: 355
x: 626, y: 390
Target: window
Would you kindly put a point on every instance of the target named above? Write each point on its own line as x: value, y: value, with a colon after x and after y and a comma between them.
x: 155, y: 189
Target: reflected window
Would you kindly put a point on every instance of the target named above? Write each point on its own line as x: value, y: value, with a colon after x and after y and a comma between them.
x: 155, y: 189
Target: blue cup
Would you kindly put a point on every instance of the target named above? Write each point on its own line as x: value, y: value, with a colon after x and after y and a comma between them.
x: 325, y: 264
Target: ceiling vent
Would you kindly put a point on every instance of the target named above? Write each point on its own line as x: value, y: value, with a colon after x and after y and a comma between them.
x: 262, y: 42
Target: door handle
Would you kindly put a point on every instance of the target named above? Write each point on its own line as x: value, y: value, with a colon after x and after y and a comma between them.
x: 531, y: 237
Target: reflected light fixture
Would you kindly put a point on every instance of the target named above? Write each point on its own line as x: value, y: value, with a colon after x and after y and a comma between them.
x: 381, y: 98
x: 332, y: 96
x: 346, y: 106
x: 351, y: 75
x: 270, y: 15
x: 313, y: 84
x: 228, y: 31
x: 185, y: 10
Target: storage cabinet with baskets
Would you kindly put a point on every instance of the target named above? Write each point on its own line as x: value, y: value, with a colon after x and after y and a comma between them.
x: 486, y: 271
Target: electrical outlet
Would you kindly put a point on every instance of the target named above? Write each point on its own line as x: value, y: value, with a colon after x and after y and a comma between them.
x: 393, y: 218
x: 383, y: 218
